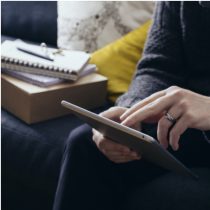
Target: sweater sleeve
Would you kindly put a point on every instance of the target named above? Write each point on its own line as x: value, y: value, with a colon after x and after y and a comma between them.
x: 162, y: 62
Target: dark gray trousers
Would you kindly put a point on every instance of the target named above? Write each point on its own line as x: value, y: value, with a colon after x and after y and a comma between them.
x: 88, y: 180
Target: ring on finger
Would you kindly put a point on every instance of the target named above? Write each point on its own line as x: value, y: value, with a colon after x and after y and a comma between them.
x: 170, y: 118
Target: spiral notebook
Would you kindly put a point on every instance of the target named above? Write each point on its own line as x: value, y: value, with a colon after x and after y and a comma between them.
x: 65, y: 65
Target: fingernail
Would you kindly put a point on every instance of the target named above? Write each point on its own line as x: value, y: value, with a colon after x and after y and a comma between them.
x: 176, y: 147
x: 134, y: 154
x: 126, y: 150
x: 165, y: 146
x: 122, y: 117
x: 126, y: 123
x: 122, y: 123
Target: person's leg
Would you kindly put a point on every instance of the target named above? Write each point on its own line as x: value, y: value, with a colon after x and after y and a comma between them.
x: 86, y: 175
x: 172, y: 191
x: 194, y: 150
x: 88, y: 180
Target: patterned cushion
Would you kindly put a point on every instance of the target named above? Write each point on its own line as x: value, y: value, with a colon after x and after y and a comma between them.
x: 89, y: 25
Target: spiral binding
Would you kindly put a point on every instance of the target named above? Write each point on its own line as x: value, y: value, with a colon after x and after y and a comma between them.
x: 37, y: 68
x: 20, y: 62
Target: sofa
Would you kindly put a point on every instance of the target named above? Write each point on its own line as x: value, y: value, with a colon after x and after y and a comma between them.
x: 31, y: 155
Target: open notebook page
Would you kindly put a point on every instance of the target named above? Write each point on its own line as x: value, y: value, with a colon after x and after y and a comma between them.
x: 68, y: 61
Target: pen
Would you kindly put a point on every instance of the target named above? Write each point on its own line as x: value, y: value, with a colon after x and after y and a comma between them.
x: 47, y: 57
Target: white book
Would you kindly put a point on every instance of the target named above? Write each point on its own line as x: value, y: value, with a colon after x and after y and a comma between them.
x: 45, y: 81
x: 65, y: 65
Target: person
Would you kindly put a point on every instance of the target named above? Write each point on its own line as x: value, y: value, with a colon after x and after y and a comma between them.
x: 169, y: 98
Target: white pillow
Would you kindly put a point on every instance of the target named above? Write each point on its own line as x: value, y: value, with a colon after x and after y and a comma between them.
x: 91, y: 25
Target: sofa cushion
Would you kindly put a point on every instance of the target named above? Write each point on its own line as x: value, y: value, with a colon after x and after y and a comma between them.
x: 30, y: 20
x: 117, y: 61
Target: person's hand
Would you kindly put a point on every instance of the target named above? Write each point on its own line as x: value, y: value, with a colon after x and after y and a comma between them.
x: 115, y: 152
x: 175, y: 109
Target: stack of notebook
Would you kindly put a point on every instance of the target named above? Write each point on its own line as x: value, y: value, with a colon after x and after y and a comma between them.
x: 43, y: 66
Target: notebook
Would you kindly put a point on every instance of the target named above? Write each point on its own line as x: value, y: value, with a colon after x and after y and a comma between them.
x: 65, y: 65
x: 45, y: 81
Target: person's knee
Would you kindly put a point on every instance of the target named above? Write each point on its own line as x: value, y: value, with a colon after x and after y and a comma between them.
x: 79, y: 137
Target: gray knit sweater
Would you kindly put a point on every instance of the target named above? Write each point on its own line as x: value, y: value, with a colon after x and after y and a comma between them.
x: 177, y: 52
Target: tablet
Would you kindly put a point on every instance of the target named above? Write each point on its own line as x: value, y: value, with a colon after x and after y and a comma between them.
x: 144, y: 144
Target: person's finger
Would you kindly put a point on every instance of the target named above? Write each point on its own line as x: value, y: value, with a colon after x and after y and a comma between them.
x: 137, y: 126
x: 164, y: 125
x: 117, y: 156
x: 124, y: 159
x: 97, y: 136
x: 176, y: 131
x: 107, y: 144
x: 142, y: 103
x: 113, y: 112
x: 119, y: 153
x: 112, y: 151
x: 150, y: 110
x: 94, y: 131
x: 113, y: 154
x: 162, y: 130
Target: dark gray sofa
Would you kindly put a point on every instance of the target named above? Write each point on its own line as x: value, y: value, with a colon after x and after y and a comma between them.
x: 31, y: 155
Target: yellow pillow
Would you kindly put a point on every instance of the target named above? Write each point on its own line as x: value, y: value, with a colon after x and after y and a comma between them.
x: 117, y: 61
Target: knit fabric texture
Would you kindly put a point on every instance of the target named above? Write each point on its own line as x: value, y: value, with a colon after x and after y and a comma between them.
x: 177, y: 52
